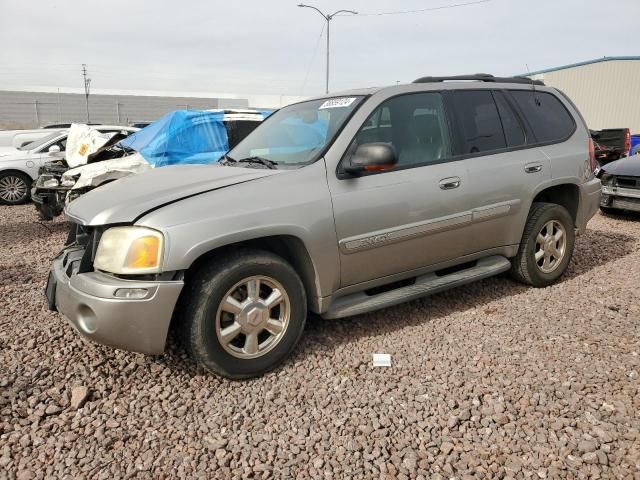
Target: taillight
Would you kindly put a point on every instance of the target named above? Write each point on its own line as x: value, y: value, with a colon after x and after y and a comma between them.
x: 592, y: 156
x: 627, y: 141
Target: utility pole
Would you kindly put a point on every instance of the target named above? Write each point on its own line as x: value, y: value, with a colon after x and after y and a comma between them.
x: 328, y: 19
x: 87, y: 86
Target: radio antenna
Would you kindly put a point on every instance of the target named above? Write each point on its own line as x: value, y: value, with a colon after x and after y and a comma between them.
x: 533, y: 84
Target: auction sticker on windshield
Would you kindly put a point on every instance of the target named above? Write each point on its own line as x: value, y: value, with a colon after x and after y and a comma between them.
x: 337, y: 102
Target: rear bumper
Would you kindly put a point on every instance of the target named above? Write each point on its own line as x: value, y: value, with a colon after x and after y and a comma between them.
x: 89, y: 304
x: 590, y: 193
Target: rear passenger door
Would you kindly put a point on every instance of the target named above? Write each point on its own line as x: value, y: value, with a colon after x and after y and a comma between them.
x: 503, y: 169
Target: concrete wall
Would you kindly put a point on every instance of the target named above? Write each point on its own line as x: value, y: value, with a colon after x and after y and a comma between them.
x: 607, y: 93
x: 33, y: 109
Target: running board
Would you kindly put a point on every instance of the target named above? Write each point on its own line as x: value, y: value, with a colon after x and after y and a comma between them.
x: 424, y: 285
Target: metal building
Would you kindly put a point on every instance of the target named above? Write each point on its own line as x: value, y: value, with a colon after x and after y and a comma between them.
x: 606, y: 90
x: 32, y: 109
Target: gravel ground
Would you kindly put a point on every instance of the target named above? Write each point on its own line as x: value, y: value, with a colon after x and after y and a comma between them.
x: 492, y: 380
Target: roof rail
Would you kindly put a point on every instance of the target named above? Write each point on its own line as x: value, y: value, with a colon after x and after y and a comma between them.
x: 482, y: 77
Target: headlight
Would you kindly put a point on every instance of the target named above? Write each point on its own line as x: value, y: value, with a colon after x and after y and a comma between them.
x: 130, y: 250
x: 67, y: 182
x: 52, y: 183
x: 608, y: 180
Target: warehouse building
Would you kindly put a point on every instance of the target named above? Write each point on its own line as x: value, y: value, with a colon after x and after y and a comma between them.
x: 32, y: 109
x: 606, y: 90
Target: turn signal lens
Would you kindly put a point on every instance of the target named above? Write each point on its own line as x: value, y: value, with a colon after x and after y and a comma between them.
x: 144, y: 252
x: 130, y: 251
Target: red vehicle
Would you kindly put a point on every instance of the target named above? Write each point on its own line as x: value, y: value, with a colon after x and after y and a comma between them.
x: 611, y: 144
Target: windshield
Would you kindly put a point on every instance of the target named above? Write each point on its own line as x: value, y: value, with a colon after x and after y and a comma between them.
x: 295, y: 135
x: 41, y: 141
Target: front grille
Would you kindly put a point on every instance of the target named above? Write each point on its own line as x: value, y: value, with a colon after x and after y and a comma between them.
x: 85, y: 240
x: 628, y: 182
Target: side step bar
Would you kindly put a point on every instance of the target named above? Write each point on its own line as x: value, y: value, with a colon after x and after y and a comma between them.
x: 424, y: 285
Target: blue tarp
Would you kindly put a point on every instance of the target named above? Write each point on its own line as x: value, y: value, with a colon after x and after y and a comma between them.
x: 181, y: 137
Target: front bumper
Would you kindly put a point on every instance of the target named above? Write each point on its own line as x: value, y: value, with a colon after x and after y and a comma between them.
x: 621, y: 198
x: 50, y: 203
x: 88, y: 302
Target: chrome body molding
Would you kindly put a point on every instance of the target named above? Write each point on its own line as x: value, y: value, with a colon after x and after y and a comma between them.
x: 404, y: 232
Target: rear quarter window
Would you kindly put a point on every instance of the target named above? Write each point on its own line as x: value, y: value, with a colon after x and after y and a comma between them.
x: 548, y: 118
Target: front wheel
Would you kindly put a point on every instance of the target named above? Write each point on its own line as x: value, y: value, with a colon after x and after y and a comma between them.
x: 14, y: 188
x: 546, y: 247
x: 243, y: 314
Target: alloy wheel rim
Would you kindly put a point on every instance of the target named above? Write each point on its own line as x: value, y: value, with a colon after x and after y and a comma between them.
x: 12, y: 188
x: 551, y: 246
x: 253, y: 317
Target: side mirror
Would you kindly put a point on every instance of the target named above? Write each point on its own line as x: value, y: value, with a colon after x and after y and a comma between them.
x: 372, y: 157
x: 54, y: 149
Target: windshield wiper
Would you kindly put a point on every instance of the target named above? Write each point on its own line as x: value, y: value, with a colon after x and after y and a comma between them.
x: 260, y: 160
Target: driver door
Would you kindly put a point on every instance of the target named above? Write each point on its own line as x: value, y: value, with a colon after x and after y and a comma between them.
x: 413, y: 215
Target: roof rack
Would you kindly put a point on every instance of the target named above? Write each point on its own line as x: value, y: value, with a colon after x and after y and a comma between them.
x: 482, y: 77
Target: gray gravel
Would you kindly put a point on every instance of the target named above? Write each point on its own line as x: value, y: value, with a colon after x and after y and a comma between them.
x: 493, y: 380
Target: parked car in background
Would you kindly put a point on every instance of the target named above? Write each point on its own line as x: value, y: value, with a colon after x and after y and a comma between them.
x: 611, y: 144
x: 635, y: 145
x: 621, y: 185
x: 19, y: 167
x: 18, y: 139
x: 180, y: 137
x: 340, y: 205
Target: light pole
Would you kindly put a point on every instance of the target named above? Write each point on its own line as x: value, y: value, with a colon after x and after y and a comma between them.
x: 328, y: 18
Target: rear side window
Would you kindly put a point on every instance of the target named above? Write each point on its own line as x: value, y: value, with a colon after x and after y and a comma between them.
x: 547, y: 116
x: 478, y: 121
x: 513, y: 131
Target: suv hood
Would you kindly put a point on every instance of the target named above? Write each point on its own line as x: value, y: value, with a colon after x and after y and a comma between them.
x: 130, y: 198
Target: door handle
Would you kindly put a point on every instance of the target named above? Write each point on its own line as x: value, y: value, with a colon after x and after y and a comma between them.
x: 449, y: 183
x: 535, y: 168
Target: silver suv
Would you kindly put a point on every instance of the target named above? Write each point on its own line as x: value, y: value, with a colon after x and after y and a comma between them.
x: 338, y: 205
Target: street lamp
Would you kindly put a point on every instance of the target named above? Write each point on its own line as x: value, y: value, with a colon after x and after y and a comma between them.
x: 328, y: 18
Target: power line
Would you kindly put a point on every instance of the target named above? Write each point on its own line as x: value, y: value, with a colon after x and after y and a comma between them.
x: 313, y: 57
x: 442, y: 7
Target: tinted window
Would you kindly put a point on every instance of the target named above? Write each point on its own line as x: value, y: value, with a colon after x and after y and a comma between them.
x: 549, y: 119
x: 510, y: 124
x: 414, y: 124
x: 238, y: 129
x: 478, y: 121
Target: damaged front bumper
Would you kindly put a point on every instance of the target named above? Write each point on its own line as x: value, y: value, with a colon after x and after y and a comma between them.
x: 129, y: 314
x: 49, y: 203
x: 620, y: 198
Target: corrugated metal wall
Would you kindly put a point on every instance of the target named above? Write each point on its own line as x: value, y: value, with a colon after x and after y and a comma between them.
x: 607, y: 93
x: 33, y: 109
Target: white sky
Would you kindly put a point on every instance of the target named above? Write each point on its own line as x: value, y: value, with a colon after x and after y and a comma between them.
x: 267, y: 47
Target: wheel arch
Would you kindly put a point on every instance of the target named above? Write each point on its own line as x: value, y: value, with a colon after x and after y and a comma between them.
x: 566, y: 195
x: 17, y: 170
x: 289, y: 247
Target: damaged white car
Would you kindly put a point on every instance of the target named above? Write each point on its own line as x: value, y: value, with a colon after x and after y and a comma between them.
x: 180, y: 137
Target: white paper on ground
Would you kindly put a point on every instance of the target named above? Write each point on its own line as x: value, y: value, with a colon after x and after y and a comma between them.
x: 381, y: 360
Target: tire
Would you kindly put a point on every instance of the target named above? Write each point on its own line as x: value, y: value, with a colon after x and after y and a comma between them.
x: 544, y: 271
x: 203, y: 318
x: 610, y: 211
x: 15, y: 188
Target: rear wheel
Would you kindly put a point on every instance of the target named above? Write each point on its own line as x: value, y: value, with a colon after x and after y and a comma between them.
x: 14, y: 188
x: 546, y: 247
x: 243, y: 314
